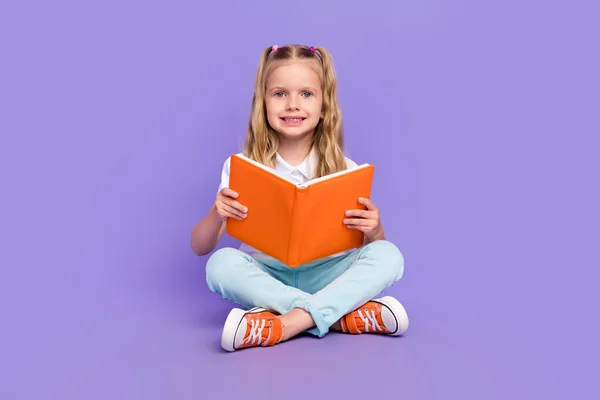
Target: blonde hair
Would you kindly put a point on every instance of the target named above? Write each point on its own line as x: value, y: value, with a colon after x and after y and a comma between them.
x: 262, y: 140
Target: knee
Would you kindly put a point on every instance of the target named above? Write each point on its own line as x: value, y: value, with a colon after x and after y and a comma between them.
x: 220, y: 267
x: 389, y: 257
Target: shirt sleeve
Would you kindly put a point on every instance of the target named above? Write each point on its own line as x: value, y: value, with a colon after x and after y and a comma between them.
x: 225, y: 175
x: 350, y: 164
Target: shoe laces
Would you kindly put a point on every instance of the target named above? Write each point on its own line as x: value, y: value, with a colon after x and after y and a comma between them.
x: 255, y: 335
x: 369, y: 320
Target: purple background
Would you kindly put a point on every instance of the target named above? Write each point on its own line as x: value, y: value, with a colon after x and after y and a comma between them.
x: 116, y: 118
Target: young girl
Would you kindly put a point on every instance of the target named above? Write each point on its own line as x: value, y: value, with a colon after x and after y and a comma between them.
x: 296, y: 128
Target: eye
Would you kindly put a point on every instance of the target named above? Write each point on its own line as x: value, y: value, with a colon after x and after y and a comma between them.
x: 279, y: 94
x: 306, y: 94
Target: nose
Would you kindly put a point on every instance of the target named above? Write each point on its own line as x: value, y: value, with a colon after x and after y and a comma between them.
x: 292, y: 103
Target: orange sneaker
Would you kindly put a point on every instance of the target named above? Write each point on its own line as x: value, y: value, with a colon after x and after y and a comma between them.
x: 255, y: 327
x: 384, y: 315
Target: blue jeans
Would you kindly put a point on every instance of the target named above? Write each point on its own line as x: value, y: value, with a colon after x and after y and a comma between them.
x: 327, y: 289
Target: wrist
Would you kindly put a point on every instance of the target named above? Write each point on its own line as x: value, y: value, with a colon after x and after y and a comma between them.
x: 214, y: 213
x: 380, y: 235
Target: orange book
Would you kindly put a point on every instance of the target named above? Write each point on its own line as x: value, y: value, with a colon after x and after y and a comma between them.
x: 295, y: 223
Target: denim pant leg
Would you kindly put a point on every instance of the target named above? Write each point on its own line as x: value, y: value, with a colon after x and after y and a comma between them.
x: 349, y: 282
x: 238, y: 277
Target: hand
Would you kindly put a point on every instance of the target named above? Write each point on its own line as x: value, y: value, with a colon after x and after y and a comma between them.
x: 366, y: 221
x: 227, y: 207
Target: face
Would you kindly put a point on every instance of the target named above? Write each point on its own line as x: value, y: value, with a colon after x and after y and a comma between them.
x: 294, y: 100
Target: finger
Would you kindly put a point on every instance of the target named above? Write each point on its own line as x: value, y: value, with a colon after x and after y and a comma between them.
x: 229, y: 193
x: 358, y: 228
x: 360, y: 213
x: 358, y: 222
x: 241, y: 208
x: 232, y: 212
x: 367, y: 202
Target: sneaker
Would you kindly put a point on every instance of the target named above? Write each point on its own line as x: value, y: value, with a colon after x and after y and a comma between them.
x: 255, y: 327
x: 385, y: 315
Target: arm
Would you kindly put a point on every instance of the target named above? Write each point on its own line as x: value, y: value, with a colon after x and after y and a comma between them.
x: 207, y: 233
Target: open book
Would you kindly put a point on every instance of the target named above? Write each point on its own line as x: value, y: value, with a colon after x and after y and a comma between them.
x: 295, y: 223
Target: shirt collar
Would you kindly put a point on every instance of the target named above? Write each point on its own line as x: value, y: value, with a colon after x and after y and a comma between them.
x: 306, y: 167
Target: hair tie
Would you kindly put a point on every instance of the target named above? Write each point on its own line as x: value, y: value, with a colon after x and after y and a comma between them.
x: 274, y: 48
x: 312, y: 48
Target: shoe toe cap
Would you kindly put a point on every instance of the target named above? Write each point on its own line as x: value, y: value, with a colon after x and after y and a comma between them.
x: 394, y: 315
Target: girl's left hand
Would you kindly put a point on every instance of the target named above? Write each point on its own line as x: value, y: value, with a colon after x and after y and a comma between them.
x: 366, y: 221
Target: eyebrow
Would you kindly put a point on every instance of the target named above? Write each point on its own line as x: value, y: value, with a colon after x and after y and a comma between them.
x: 302, y: 89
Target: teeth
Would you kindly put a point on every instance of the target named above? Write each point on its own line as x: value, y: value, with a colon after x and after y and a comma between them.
x: 293, y: 119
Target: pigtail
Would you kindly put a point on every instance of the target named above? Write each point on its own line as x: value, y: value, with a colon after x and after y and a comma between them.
x: 329, y: 134
x: 260, y: 145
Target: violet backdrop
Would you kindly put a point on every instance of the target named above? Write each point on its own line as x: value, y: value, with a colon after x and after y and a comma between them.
x: 480, y: 117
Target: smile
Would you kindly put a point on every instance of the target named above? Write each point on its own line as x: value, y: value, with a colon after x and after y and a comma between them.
x: 292, y: 121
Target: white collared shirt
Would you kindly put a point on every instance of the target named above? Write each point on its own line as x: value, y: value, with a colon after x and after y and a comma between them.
x: 301, y: 173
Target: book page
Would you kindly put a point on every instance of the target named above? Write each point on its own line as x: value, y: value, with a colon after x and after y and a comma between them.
x: 331, y: 176
x: 306, y: 184
x: 266, y: 168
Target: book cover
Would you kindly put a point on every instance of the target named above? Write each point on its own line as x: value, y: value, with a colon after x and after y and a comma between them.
x: 295, y: 223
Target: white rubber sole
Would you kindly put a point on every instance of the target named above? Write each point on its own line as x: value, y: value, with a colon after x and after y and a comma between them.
x: 232, y: 324
x: 399, y: 313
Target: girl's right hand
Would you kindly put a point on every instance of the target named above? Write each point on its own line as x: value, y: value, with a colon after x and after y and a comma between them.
x: 227, y: 207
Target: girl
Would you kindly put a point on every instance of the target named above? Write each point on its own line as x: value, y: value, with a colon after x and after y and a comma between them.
x: 296, y: 128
